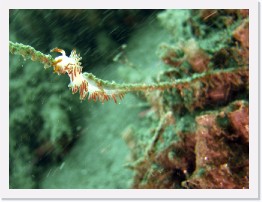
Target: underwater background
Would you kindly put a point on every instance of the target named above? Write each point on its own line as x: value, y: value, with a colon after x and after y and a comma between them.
x: 195, y: 135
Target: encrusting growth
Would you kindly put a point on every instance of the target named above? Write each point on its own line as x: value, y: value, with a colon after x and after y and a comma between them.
x: 93, y: 88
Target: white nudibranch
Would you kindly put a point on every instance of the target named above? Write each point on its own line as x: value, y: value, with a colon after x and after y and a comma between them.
x: 87, y: 86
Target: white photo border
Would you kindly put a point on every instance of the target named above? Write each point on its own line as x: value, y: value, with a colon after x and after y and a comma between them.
x: 254, y: 175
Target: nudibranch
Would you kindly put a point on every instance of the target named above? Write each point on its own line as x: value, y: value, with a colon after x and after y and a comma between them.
x: 85, y: 83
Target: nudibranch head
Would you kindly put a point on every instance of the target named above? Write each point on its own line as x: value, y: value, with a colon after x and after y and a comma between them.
x: 64, y: 64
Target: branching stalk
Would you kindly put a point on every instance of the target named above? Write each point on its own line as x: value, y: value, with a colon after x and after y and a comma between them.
x: 91, y: 87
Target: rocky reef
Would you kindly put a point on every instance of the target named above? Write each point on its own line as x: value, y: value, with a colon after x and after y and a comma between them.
x: 201, y: 133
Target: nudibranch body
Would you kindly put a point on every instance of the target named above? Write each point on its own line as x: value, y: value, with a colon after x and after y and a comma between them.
x: 86, y: 84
